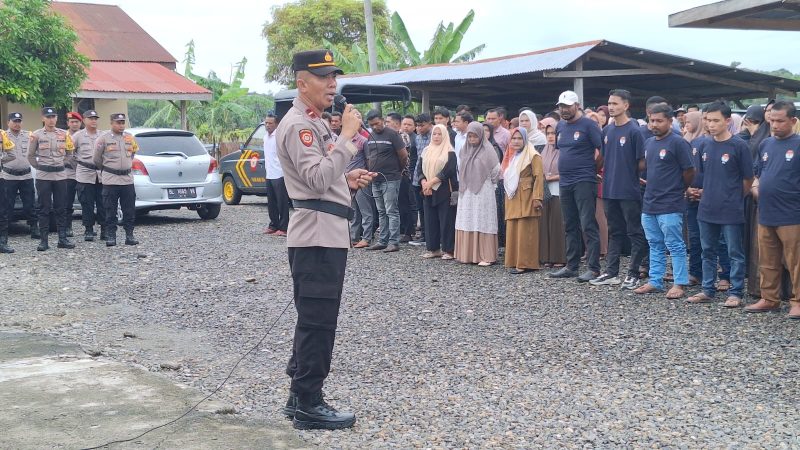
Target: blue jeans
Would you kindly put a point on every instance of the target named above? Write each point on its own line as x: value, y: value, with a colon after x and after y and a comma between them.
x: 665, y: 231
x: 710, y: 237
x: 386, y: 199
x: 696, y: 248
x: 363, y: 224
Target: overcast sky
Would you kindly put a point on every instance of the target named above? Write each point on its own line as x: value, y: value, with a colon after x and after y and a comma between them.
x: 224, y: 31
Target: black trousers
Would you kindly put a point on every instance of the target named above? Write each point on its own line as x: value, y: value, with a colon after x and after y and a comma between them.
x: 5, y: 212
x: 318, y: 276
x: 52, y: 197
x: 440, y: 226
x: 624, y: 220
x: 92, y: 209
x: 420, y: 202
x: 406, y: 202
x: 28, y: 196
x: 69, y: 205
x: 578, y: 204
x: 125, y: 197
x: 278, y: 204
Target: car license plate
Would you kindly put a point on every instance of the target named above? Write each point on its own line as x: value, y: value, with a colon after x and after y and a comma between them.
x: 178, y: 193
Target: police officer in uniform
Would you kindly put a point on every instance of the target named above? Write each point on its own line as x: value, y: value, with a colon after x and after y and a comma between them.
x: 17, y: 173
x: 318, y: 235
x: 6, y: 149
x: 49, y: 149
x: 87, y: 175
x: 113, y: 154
x: 74, y: 121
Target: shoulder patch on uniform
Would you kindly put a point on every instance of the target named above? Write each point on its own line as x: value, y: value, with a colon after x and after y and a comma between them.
x: 306, y: 137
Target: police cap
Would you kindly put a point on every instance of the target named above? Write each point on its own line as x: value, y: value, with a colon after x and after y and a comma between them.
x: 15, y: 116
x: 49, y: 111
x: 90, y: 114
x: 318, y: 62
x: 118, y: 116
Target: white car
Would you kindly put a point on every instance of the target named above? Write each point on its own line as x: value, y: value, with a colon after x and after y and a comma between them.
x: 173, y: 170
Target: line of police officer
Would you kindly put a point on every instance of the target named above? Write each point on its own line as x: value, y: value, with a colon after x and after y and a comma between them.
x: 95, y: 164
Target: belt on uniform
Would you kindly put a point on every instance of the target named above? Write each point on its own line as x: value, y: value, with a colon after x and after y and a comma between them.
x: 327, y: 207
x: 50, y: 168
x: 16, y: 173
x: 87, y: 165
x: 115, y: 171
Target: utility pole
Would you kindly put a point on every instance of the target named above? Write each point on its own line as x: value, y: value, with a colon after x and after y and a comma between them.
x: 371, y: 51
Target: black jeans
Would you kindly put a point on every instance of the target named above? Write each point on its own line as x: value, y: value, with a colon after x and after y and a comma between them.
x: 28, y: 196
x: 578, y: 204
x: 318, y: 276
x: 69, y: 201
x: 5, y: 213
x: 407, y: 201
x: 91, y: 198
x: 440, y: 227
x: 624, y: 219
x: 52, y: 197
x: 278, y: 204
x: 420, y: 202
x: 125, y: 196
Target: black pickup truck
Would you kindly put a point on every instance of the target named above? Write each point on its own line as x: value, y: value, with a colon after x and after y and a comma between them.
x: 243, y: 171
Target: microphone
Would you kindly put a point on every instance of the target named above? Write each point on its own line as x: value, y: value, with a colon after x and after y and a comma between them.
x: 339, y: 102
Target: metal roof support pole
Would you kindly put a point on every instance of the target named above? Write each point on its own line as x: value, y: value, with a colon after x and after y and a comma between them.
x: 184, y: 125
x: 577, y: 82
x: 426, y: 101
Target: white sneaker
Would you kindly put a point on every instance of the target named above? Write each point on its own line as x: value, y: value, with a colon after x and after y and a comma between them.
x: 605, y: 280
x: 630, y: 283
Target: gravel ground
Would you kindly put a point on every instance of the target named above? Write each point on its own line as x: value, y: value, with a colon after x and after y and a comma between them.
x: 429, y: 354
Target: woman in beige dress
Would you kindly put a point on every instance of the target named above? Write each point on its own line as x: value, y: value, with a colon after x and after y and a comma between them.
x: 524, y: 185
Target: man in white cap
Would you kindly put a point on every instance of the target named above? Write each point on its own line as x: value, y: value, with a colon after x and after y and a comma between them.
x: 578, y: 139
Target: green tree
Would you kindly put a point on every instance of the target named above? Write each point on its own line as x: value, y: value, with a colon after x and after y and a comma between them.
x: 305, y: 24
x: 38, y: 60
x: 445, y: 44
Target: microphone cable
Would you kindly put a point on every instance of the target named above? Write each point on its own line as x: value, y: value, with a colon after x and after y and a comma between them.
x: 188, y: 411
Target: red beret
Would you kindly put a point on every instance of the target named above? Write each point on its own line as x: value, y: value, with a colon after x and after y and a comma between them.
x: 74, y: 115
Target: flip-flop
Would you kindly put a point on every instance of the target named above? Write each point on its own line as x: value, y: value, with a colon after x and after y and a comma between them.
x: 647, y: 288
x: 732, y: 302
x: 671, y: 294
x: 700, y: 298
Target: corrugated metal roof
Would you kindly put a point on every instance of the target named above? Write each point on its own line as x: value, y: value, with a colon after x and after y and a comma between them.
x: 138, y: 77
x: 550, y: 59
x: 107, y: 33
x: 741, y: 15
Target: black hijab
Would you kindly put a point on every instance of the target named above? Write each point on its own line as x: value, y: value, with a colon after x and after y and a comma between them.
x: 493, y: 142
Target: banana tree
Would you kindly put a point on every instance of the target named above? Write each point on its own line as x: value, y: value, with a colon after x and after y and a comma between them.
x: 445, y: 44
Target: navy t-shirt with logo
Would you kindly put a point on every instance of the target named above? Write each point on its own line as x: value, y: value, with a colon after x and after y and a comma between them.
x: 697, y: 153
x: 779, y: 181
x: 623, y: 147
x: 724, y: 165
x: 577, y: 143
x: 666, y: 161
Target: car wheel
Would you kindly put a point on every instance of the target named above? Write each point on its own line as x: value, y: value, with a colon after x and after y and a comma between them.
x: 209, y: 211
x: 230, y: 193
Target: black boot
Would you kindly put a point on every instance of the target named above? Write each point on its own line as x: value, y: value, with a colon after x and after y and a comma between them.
x: 63, y: 241
x: 129, y: 239
x: 43, y: 245
x: 70, y: 233
x: 35, y: 233
x: 111, y: 238
x: 4, y: 248
x: 103, y: 233
x: 291, y: 405
x: 88, y: 234
x: 313, y: 413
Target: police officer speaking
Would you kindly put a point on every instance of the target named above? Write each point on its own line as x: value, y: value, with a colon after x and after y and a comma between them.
x: 318, y: 236
x: 48, y: 151
x: 113, y: 154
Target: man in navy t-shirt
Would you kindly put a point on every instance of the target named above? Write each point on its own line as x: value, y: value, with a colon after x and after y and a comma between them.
x: 669, y: 171
x: 578, y: 139
x: 727, y: 170
x: 623, y: 148
x: 778, y: 196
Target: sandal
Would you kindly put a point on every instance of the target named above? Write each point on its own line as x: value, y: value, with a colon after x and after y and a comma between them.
x: 699, y: 298
x: 484, y: 264
x: 447, y: 256
x: 675, y: 292
x: 723, y: 285
x: 429, y: 255
x: 732, y: 302
x: 647, y: 288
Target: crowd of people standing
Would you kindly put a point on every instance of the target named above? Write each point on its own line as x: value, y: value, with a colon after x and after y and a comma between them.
x: 680, y: 193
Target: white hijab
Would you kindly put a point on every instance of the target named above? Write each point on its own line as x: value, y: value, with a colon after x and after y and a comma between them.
x: 535, y: 137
